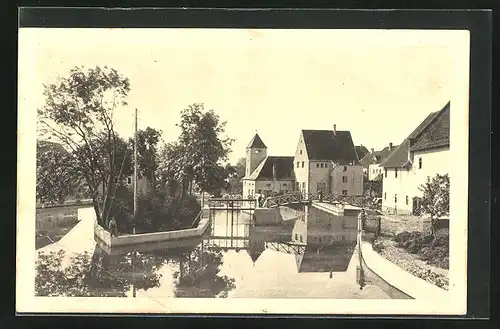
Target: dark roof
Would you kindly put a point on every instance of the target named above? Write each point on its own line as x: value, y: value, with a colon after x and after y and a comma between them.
x: 264, y: 171
x: 361, y: 151
x: 435, y: 125
x: 327, y: 145
x: 257, y: 143
x: 437, y: 133
x: 377, y: 156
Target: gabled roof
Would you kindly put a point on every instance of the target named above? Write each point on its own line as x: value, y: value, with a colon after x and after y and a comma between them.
x: 437, y: 133
x: 264, y: 171
x: 433, y: 132
x: 361, y: 151
x: 327, y: 145
x: 256, y: 143
x: 377, y: 157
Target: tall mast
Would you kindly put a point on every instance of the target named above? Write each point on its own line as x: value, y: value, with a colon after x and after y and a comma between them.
x: 135, y: 171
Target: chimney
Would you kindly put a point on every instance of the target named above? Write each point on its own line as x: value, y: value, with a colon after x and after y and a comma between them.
x: 373, y: 150
x: 335, y: 129
x: 390, y: 146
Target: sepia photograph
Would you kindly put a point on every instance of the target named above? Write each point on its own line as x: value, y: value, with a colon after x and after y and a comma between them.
x: 175, y: 170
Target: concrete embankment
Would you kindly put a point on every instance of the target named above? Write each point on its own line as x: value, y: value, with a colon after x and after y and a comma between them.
x: 395, y: 279
x: 104, y: 237
x: 276, y: 215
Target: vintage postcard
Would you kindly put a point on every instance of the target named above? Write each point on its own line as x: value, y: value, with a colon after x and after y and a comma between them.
x: 242, y: 171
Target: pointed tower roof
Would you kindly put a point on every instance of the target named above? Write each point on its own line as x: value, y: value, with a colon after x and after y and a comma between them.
x: 256, y: 143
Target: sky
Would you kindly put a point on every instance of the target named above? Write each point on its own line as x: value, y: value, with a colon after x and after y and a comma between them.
x: 378, y: 84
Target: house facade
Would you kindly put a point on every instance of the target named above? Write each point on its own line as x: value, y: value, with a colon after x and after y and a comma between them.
x: 265, y: 175
x: 424, y: 153
x: 371, y: 162
x: 324, y: 160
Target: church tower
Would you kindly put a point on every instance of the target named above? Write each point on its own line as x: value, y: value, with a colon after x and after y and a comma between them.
x: 256, y: 152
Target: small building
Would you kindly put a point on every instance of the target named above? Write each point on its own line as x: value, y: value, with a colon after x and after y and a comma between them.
x: 266, y: 175
x: 326, y: 160
x: 424, y: 153
x: 371, y: 162
x: 361, y: 151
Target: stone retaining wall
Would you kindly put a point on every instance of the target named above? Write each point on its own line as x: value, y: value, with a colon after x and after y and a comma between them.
x: 104, y: 237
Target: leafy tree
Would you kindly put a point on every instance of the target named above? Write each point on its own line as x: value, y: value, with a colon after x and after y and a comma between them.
x: 435, y: 200
x: 147, y: 153
x: 202, y: 147
x: 55, y: 178
x: 236, y: 173
x: 78, y: 112
x: 373, y: 188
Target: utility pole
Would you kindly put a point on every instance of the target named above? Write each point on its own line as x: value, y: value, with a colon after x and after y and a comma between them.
x: 135, y: 172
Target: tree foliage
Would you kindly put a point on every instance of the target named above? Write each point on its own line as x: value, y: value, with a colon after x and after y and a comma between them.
x: 56, y: 176
x: 196, y: 157
x: 435, y: 200
x: 235, y: 174
x: 78, y: 112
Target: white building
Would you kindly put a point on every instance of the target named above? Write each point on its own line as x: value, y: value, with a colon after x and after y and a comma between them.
x: 424, y: 153
x: 371, y: 162
x: 326, y: 160
x: 265, y: 175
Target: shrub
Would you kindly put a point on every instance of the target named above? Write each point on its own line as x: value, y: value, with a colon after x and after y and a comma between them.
x: 160, y: 211
x: 378, y: 245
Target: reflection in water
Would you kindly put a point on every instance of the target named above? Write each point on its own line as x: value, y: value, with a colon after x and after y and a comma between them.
x: 198, y: 274
x: 281, y: 260
x: 96, y: 275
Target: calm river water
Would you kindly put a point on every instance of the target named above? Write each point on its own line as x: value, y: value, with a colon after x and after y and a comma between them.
x: 234, y: 259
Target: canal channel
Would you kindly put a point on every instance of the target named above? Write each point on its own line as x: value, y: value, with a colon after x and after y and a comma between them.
x: 235, y: 258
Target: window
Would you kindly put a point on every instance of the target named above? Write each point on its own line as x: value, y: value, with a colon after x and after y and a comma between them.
x: 298, y: 163
x: 321, y: 165
x: 300, y: 152
x: 344, y: 192
x: 345, y: 168
x: 420, y: 163
x: 407, y: 200
x: 395, y: 198
x: 344, y: 179
x: 260, y: 191
x: 297, y: 185
x: 303, y: 184
x: 317, y: 165
x: 302, y: 164
x: 301, y: 238
x: 129, y: 180
x: 385, y: 172
x: 296, y: 236
x: 396, y: 172
x: 343, y: 238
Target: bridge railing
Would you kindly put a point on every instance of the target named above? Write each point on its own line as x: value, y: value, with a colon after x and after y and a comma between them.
x: 275, y: 201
